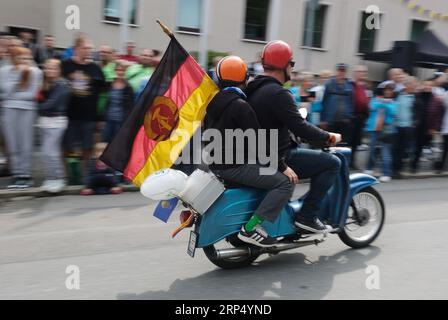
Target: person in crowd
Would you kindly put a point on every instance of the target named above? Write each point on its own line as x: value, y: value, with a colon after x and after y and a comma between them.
x: 70, y: 51
x: 86, y: 82
x: 53, y: 103
x: 28, y: 42
x: 4, y: 43
x: 405, y: 139
x: 319, y: 89
x: 381, y: 127
x: 100, y: 178
x: 441, y: 163
x: 396, y: 76
x: 360, y: 110
x: 156, y: 58
x: 120, y: 100
x: 255, y: 68
x: 115, y: 56
x: 305, y: 95
x: 130, y: 56
x: 142, y: 87
x: 428, y: 114
x: 276, y: 109
x: 107, y: 65
x: 337, y: 104
x: 19, y: 84
x: 143, y: 69
x: 11, y: 43
x: 293, y: 85
x: 440, y: 83
x: 4, y: 60
x: 14, y: 42
x: 144, y: 81
x: 212, y: 71
x: 47, y: 51
x: 7, y: 45
x: 299, y: 86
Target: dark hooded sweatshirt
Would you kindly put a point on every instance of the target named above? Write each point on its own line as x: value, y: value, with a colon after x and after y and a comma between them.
x: 276, y: 109
x: 228, y: 110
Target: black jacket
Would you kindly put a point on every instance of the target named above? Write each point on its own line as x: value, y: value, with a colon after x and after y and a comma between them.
x: 86, y: 82
x: 276, y: 109
x: 228, y: 110
x: 56, y: 100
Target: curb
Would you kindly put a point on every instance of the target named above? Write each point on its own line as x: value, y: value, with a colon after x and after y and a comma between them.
x: 39, y: 193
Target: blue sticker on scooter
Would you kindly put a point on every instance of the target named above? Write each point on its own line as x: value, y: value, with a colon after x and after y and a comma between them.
x: 165, y: 208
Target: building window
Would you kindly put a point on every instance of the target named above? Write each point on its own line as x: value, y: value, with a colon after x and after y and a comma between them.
x: 189, y: 14
x: 418, y: 27
x: 256, y: 19
x: 367, y: 35
x: 318, y: 28
x: 112, y: 10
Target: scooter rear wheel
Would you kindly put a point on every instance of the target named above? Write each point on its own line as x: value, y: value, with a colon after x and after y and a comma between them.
x: 366, y: 210
x: 231, y: 263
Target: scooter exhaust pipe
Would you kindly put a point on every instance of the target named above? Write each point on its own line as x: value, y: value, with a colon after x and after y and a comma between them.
x: 244, y: 252
x: 232, y: 253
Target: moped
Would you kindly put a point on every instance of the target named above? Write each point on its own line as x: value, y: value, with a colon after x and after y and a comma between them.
x: 353, y: 209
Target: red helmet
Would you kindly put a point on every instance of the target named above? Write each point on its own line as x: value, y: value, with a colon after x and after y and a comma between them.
x: 276, y: 54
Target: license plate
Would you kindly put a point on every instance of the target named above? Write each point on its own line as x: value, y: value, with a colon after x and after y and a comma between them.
x: 192, y: 243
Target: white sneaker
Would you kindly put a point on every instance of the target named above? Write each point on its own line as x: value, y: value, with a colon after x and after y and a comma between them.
x: 45, y: 185
x: 385, y: 179
x: 56, y: 186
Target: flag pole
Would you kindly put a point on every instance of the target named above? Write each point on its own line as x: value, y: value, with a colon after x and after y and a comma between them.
x: 165, y: 29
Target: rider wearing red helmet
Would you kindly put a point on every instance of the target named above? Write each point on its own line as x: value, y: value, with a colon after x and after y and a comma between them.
x: 228, y: 112
x: 276, y: 109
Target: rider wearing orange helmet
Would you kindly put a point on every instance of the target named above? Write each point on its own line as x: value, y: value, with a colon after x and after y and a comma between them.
x: 229, y: 111
x: 276, y: 109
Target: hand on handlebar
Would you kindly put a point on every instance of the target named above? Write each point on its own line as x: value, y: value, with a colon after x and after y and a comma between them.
x: 334, y: 139
x: 292, y: 176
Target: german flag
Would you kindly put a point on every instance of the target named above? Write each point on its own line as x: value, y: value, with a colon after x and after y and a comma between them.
x: 165, y: 117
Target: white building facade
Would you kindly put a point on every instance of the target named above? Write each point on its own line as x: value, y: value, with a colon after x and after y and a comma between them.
x: 241, y: 27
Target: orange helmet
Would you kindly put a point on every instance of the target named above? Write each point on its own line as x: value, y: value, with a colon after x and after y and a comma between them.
x: 276, y: 54
x: 231, y: 69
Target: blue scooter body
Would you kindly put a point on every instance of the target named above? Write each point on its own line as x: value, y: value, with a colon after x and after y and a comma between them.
x: 235, y: 207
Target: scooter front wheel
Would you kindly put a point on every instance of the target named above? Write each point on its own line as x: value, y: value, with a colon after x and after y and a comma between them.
x: 365, y: 219
x: 244, y: 260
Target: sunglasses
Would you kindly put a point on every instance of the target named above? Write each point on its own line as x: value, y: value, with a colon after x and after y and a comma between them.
x: 292, y: 63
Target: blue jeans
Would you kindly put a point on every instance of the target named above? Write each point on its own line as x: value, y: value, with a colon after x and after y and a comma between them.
x: 322, y: 168
x: 111, y: 129
x: 386, y: 154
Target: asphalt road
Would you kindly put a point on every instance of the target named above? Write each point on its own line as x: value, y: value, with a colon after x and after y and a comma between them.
x: 122, y: 252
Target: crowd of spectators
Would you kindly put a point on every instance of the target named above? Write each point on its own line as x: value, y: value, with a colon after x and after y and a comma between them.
x: 78, y: 99
x: 398, y: 118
